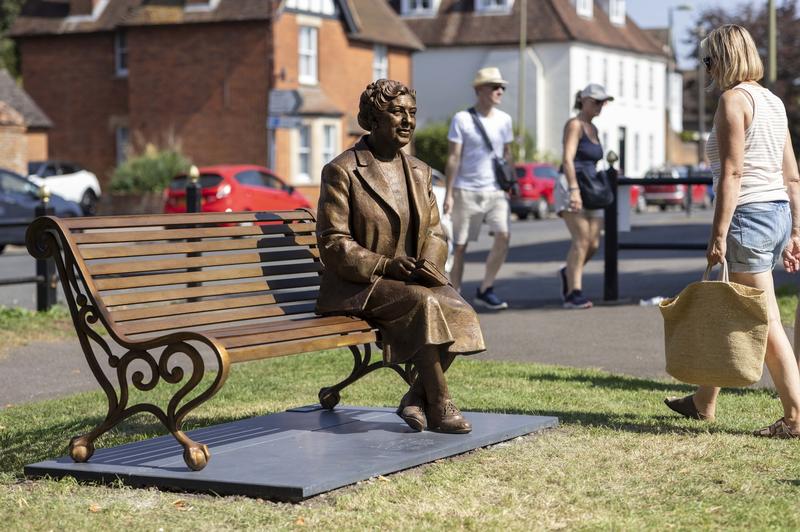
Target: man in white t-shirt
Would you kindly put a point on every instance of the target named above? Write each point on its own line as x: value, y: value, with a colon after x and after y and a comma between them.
x: 472, y: 191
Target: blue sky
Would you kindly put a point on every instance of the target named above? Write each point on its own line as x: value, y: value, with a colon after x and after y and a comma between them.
x: 653, y: 14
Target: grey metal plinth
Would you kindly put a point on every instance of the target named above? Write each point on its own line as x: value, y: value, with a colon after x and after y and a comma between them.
x: 290, y: 455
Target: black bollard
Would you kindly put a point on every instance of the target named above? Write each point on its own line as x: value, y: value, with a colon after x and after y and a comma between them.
x: 47, y: 282
x: 611, y: 271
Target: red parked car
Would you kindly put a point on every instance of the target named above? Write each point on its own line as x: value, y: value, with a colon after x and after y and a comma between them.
x: 234, y: 188
x: 536, y: 185
x: 666, y: 195
x: 536, y: 182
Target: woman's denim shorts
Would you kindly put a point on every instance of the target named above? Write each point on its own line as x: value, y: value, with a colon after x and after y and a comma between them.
x: 757, y: 236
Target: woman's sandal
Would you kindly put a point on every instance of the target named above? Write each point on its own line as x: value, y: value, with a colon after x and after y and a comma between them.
x: 685, y: 406
x: 779, y: 430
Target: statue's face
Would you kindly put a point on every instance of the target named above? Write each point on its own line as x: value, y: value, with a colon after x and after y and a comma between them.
x: 396, y: 124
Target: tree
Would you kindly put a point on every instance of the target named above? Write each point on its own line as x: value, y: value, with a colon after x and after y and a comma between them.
x: 754, y: 17
x: 9, y: 57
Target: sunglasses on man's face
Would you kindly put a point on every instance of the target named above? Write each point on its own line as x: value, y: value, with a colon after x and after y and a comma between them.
x: 707, y: 63
x: 499, y: 87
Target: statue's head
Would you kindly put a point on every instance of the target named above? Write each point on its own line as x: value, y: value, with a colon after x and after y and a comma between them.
x: 387, y: 110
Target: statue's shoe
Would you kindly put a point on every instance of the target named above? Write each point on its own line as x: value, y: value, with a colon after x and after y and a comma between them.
x: 412, y: 411
x: 447, y: 418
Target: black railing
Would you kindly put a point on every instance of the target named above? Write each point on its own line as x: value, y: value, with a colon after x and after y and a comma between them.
x: 612, y: 243
x: 46, y: 278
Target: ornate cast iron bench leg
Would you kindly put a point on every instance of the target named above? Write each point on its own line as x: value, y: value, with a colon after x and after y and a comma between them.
x: 329, y: 397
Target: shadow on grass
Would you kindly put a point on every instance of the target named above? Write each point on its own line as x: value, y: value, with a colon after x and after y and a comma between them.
x: 617, y: 382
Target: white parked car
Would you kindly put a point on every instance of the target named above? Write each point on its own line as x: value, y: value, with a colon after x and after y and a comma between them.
x: 69, y: 181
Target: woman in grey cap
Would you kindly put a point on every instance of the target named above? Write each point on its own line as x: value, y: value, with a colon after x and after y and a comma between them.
x: 582, y: 151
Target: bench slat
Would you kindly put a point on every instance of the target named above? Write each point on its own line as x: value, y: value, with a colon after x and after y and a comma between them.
x: 244, y: 354
x: 179, y: 309
x: 139, y: 281
x: 155, y: 296
x: 179, y: 263
x: 142, y: 250
x: 212, y: 317
x: 106, y: 237
x: 223, y: 333
x: 133, y: 220
x: 296, y: 334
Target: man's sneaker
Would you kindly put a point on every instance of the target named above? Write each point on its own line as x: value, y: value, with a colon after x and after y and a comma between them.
x: 489, y: 299
x: 562, y: 276
x: 576, y: 299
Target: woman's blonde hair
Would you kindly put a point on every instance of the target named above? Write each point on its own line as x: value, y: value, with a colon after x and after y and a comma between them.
x: 734, y: 56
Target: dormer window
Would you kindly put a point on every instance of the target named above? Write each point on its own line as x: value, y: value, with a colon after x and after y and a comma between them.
x: 616, y: 12
x: 584, y: 8
x: 416, y: 8
x: 493, y: 6
x: 317, y: 7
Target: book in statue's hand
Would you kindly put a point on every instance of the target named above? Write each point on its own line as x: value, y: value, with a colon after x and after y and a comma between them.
x: 427, y: 274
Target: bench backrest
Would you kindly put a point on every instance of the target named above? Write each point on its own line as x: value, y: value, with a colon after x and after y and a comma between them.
x: 151, y: 274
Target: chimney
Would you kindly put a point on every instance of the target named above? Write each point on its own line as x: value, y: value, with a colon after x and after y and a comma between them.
x: 82, y: 7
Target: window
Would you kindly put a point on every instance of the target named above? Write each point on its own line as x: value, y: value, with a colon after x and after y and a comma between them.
x: 201, y: 5
x: 584, y: 8
x: 493, y: 6
x: 636, y: 153
x: 122, y: 144
x: 417, y: 7
x: 250, y: 178
x: 588, y: 69
x: 651, y: 147
x: 307, y: 51
x: 304, y: 153
x: 650, y: 84
x: 636, y: 81
x: 621, y: 78
x: 322, y: 7
x: 546, y: 172
x: 380, y: 62
x: 616, y: 12
x: 329, y: 144
x: 605, y: 72
x: 10, y: 182
x: 604, y: 138
x: 121, y: 54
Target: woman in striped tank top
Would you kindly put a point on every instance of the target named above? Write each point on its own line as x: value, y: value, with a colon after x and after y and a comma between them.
x: 757, y: 211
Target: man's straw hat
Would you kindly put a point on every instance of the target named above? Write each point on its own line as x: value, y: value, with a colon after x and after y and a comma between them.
x: 488, y: 75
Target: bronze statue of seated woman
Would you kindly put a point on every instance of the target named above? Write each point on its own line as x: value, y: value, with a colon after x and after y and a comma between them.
x: 383, y: 247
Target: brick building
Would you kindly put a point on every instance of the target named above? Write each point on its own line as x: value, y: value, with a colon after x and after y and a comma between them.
x: 118, y: 73
x: 23, y: 127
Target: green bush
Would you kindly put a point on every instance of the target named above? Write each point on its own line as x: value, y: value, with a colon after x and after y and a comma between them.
x: 430, y: 144
x: 151, y: 171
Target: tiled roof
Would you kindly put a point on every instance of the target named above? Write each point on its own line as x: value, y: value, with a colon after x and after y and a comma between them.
x: 456, y: 24
x: 13, y: 95
x: 369, y: 20
x: 377, y: 22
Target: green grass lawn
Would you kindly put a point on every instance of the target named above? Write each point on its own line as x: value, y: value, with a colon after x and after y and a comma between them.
x: 620, y: 459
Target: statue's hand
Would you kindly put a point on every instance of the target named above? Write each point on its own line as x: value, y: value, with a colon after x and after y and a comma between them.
x: 400, y: 268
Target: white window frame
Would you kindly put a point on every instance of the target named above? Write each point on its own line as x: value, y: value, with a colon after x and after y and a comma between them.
x: 330, y: 143
x: 122, y: 141
x: 605, y: 73
x: 637, y: 153
x: 307, y: 55
x: 616, y: 12
x: 636, y: 81
x: 584, y: 8
x: 493, y: 6
x: 121, y: 54
x: 417, y: 8
x: 588, y: 72
x: 651, y: 86
x: 380, y: 62
x: 651, y: 150
x: 621, y: 78
x: 304, y: 153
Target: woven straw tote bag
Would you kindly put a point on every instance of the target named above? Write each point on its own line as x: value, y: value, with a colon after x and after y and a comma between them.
x: 715, y: 332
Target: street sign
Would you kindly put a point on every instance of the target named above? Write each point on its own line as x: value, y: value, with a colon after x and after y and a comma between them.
x: 283, y: 122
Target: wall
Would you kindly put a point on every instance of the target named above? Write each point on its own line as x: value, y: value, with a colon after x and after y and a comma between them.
x: 206, y: 84
x: 13, y: 148
x: 71, y: 77
x: 37, y: 146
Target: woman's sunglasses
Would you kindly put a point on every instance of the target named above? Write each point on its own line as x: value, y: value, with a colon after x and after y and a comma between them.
x: 707, y: 62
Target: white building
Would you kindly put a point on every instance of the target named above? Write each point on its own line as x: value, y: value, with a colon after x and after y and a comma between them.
x: 570, y: 43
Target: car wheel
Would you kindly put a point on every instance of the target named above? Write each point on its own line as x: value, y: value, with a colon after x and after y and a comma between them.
x: 89, y: 203
x: 663, y: 207
x: 523, y: 215
x: 541, y: 210
x: 2, y: 248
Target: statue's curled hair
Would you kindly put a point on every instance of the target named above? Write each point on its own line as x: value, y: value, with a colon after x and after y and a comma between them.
x: 377, y: 97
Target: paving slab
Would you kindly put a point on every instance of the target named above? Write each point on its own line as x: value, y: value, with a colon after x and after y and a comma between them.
x: 291, y: 455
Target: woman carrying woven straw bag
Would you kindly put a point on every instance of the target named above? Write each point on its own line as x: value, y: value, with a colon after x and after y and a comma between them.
x: 757, y: 211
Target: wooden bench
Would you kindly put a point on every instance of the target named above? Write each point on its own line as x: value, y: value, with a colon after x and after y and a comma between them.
x: 241, y: 286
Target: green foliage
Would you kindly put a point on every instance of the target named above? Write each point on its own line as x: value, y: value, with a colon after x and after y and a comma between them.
x: 151, y: 171
x: 787, y: 303
x: 430, y: 144
x: 9, y: 55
